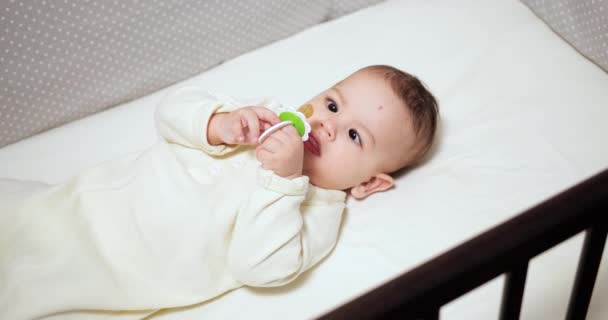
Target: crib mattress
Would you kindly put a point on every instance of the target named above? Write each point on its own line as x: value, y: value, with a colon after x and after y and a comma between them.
x: 523, y: 117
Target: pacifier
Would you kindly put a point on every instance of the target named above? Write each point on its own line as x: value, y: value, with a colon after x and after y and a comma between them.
x: 295, y: 118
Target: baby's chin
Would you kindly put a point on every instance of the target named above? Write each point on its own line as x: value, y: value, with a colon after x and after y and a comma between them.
x: 321, y: 181
x: 313, y: 178
x: 317, y: 176
x: 317, y: 183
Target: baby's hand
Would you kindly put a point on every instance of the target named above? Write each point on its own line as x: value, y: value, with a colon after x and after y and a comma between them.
x: 241, y: 126
x: 282, y: 152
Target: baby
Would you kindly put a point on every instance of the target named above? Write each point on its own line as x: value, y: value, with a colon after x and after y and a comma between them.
x: 202, y: 212
x: 372, y: 123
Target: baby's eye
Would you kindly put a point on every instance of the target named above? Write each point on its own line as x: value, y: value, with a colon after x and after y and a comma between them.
x: 332, y: 106
x: 354, y: 135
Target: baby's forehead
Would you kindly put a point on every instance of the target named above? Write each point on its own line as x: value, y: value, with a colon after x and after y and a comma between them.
x: 393, y: 122
x: 372, y: 99
x: 363, y: 75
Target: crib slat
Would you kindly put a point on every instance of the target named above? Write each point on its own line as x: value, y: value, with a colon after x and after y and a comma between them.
x: 586, y: 272
x: 513, y: 292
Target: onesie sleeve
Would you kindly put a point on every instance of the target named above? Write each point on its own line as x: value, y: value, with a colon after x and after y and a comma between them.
x: 183, y: 115
x: 279, y: 233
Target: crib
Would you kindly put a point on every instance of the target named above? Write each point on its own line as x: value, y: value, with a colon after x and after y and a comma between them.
x: 506, y: 248
x: 506, y: 219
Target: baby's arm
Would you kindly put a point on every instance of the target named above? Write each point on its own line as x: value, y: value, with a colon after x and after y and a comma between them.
x: 241, y: 126
x: 183, y: 117
x: 276, y: 237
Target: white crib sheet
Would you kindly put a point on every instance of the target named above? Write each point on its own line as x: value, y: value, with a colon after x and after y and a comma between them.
x: 524, y: 116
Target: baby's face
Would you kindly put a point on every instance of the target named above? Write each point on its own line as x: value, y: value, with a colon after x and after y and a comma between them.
x: 360, y: 128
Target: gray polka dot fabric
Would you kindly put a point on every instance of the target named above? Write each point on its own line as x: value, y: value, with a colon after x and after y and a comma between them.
x: 342, y: 7
x: 65, y: 59
x: 583, y: 23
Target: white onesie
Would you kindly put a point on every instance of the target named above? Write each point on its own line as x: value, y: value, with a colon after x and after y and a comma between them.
x: 175, y: 225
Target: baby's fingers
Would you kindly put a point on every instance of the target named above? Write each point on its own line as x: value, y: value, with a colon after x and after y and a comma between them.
x: 264, y: 156
x: 265, y: 115
x: 252, y: 126
x: 265, y: 126
x: 287, y: 134
x: 272, y: 144
x: 233, y: 132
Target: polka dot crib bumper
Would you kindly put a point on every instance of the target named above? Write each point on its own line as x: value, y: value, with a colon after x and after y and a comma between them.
x: 583, y: 23
x: 62, y: 60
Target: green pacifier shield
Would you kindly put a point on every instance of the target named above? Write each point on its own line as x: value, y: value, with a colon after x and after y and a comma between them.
x: 293, y: 118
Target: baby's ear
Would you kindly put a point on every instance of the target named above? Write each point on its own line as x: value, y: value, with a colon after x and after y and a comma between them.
x: 377, y: 183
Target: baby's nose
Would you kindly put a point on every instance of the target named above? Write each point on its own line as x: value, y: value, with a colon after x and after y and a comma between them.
x: 328, y: 128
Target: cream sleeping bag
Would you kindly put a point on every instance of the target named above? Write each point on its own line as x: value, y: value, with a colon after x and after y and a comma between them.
x: 175, y: 225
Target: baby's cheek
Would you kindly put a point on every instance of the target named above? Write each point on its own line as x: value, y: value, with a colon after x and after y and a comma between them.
x: 339, y: 176
x: 321, y: 175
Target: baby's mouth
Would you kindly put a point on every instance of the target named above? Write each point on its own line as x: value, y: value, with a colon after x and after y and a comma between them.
x: 312, y: 145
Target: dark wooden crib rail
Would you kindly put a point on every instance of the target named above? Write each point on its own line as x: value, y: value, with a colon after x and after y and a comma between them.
x: 504, y: 249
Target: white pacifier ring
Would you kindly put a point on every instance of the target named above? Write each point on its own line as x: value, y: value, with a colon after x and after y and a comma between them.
x: 272, y: 130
